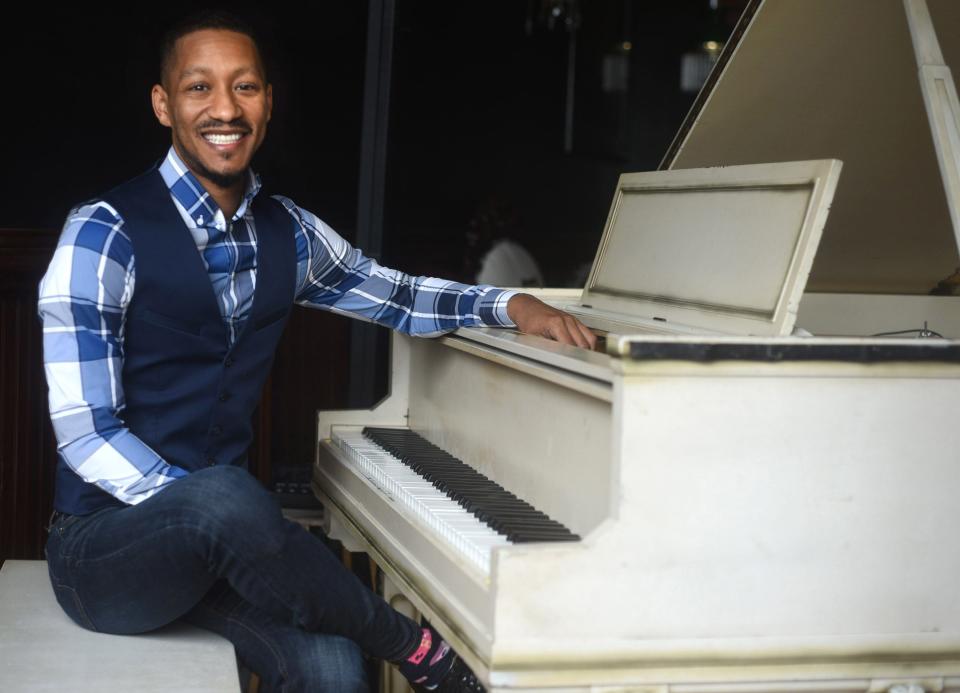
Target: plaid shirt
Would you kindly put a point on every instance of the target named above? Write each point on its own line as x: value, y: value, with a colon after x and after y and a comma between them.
x: 90, y: 283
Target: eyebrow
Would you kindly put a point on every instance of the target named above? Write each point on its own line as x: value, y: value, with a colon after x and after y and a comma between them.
x: 190, y: 71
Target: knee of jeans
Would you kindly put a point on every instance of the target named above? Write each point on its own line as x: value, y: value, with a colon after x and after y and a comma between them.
x: 327, y: 663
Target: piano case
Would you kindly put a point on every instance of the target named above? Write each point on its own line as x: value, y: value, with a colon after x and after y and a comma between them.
x: 759, y: 511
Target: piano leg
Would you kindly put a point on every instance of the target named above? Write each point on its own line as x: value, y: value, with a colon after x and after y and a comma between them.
x: 333, y: 528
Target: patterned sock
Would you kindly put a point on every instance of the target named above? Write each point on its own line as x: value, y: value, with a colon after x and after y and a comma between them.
x: 427, y: 666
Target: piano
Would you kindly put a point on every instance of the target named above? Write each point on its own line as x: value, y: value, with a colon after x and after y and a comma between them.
x: 755, y: 486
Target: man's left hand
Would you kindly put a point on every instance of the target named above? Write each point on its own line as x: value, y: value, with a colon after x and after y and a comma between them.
x: 533, y: 316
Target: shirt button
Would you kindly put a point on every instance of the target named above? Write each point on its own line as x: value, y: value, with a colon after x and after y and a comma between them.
x: 216, y: 430
x: 228, y: 362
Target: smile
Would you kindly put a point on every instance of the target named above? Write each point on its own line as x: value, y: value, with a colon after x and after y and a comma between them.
x: 215, y: 138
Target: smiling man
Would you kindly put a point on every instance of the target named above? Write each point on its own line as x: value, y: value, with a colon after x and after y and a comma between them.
x: 217, y: 103
x: 162, y: 308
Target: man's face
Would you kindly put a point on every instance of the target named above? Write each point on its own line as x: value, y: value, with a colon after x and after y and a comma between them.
x: 217, y: 103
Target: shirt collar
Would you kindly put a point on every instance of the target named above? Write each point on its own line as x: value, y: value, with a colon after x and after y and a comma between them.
x: 193, y: 197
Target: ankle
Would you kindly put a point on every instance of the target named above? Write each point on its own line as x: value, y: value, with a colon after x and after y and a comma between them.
x: 429, y: 662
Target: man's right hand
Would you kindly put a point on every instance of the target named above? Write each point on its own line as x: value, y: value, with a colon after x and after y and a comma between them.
x: 533, y: 316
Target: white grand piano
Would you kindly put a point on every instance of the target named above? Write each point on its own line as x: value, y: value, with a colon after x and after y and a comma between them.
x: 750, y: 489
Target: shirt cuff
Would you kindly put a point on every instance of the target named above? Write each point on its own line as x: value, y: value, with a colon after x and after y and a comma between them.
x: 493, y: 308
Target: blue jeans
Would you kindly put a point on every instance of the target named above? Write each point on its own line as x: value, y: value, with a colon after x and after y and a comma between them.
x: 214, y: 549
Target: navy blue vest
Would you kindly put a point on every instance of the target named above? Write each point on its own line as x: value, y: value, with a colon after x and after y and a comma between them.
x: 190, y: 395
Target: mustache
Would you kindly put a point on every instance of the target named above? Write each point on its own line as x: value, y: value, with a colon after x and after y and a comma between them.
x: 235, y: 124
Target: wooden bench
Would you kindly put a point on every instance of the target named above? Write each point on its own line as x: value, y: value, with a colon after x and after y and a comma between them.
x: 42, y: 650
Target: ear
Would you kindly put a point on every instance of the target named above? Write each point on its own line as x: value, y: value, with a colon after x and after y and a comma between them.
x: 269, y: 101
x: 161, y: 107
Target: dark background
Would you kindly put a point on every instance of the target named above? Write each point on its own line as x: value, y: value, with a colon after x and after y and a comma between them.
x: 475, y: 121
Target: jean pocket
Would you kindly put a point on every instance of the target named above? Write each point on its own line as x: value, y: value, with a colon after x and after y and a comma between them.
x: 58, y: 541
x: 64, y: 522
x: 69, y: 601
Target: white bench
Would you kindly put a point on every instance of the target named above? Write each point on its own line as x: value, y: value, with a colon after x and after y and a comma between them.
x: 42, y: 650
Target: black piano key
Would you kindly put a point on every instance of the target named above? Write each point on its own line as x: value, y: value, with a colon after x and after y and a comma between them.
x: 531, y: 538
x: 511, y: 532
x: 507, y: 516
x: 493, y: 505
x: 521, y: 525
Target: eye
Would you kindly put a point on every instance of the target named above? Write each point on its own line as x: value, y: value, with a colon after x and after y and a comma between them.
x: 247, y: 86
x: 198, y: 86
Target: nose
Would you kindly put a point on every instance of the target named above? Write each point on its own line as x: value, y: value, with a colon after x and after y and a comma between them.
x: 224, y: 105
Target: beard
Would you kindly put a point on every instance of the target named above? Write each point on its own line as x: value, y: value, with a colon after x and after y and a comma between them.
x: 223, y: 180
x: 190, y: 158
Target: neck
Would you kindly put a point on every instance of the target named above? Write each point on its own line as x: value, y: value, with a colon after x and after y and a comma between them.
x: 228, y: 199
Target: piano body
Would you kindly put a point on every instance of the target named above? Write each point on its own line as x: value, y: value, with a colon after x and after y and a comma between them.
x: 756, y: 510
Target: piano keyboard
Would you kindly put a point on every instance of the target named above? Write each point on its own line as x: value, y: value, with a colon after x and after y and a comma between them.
x: 469, y: 511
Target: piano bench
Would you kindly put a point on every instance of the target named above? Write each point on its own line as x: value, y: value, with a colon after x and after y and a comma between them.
x: 41, y: 649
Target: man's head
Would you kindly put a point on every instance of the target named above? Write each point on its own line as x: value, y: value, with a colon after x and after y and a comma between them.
x: 214, y: 96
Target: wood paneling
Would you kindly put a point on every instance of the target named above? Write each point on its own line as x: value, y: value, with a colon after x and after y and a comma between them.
x: 27, y: 445
x: 310, y: 373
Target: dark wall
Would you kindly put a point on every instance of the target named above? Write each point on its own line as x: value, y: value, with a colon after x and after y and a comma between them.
x: 479, y: 112
x: 27, y: 446
x: 77, y: 116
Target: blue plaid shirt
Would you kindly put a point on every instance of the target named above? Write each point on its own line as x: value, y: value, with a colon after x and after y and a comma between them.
x: 90, y: 282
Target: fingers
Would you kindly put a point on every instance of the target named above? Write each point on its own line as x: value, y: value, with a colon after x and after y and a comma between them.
x: 532, y: 315
x: 587, y: 334
x: 558, y: 331
x: 573, y: 327
x: 566, y: 329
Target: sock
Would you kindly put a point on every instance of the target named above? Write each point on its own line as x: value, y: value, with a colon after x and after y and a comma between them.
x: 430, y: 662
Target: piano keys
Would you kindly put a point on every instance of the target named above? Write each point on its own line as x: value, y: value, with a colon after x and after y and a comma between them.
x: 451, y: 524
x: 464, y: 509
x: 756, y: 510
x: 494, y: 506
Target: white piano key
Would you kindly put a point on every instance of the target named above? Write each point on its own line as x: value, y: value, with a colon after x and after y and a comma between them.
x: 456, y: 527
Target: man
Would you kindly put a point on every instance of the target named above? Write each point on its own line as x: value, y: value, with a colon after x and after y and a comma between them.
x: 153, y: 378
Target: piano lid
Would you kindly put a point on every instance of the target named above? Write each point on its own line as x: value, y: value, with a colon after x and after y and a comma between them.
x: 725, y: 249
x: 813, y: 79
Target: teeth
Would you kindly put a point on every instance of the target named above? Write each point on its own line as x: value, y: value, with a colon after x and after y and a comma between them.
x: 221, y: 139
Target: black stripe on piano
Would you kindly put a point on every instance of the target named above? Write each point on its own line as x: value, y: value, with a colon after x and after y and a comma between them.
x: 493, y: 505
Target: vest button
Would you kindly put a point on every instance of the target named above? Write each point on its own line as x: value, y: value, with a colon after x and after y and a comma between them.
x: 223, y: 397
x: 228, y: 362
x: 216, y: 430
x: 210, y: 461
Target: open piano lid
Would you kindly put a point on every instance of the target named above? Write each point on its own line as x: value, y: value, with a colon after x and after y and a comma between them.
x: 724, y: 250
x: 812, y: 79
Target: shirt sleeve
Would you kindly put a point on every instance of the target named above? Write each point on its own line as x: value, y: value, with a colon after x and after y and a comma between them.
x: 334, y: 276
x: 83, y: 299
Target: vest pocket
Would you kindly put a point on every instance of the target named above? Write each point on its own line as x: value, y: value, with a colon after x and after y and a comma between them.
x: 175, y: 324
x: 157, y: 347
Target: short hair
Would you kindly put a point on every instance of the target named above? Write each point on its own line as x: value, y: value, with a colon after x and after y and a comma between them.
x: 199, y: 21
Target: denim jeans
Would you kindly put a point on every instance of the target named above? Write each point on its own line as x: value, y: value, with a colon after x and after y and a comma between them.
x: 215, y: 550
